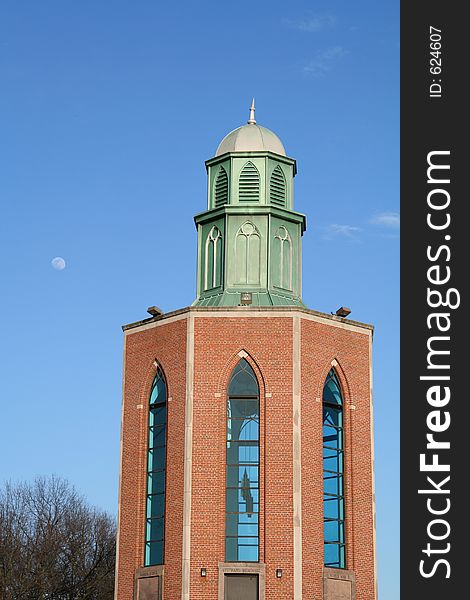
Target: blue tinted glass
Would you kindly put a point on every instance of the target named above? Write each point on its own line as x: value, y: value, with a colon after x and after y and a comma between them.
x: 156, y: 463
x: 154, y: 553
x: 249, y: 430
x: 331, y: 508
x: 249, y: 507
x: 156, y: 482
x: 248, y: 499
x: 243, y: 429
x: 248, y: 553
x: 154, y: 529
x: 232, y: 500
x: 250, y: 519
x: 242, y: 525
x: 236, y: 474
x: 158, y: 415
x: 246, y: 453
x: 333, y: 484
x: 155, y: 505
x: 341, y: 532
x: 333, y: 416
x: 231, y: 549
x: 332, y: 531
x: 332, y: 437
x: 241, y: 408
x: 331, y: 390
x: 242, y: 493
x: 333, y: 503
x: 158, y: 393
x: 332, y: 555
x: 156, y: 459
x: 157, y: 436
x: 245, y: 529
x: 242, y: 500
x: 330, y: 461
x: 246, y: 492
x: 342, y: 557
x: 243, y: 381
x: 231, y: 525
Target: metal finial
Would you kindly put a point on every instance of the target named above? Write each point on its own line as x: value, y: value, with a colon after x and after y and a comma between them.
x: 251, y: 120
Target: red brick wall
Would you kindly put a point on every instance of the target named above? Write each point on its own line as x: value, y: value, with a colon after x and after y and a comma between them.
x: 167, y: 344
x: 269, y: 344
x: 320, y: 345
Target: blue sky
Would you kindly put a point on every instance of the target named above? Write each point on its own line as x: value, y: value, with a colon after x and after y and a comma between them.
x: 107, y: 113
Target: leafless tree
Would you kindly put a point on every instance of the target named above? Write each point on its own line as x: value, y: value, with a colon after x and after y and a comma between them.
x: 53, y: 546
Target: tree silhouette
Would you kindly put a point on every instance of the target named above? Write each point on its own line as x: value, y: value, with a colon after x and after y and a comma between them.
x: 53, y: 546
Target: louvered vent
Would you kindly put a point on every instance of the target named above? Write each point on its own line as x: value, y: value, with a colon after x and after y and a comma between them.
x: 277, y: 191
x: 221, y: 188
x: 248, y: 184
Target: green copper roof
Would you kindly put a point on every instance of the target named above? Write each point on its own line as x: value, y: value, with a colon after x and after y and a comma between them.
x: 249, y: 238
x: 266, y: 298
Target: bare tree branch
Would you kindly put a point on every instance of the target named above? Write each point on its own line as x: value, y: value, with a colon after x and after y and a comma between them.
x: 53, y: 546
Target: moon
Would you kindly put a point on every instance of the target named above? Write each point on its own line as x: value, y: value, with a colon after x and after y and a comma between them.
x: 58, y: 263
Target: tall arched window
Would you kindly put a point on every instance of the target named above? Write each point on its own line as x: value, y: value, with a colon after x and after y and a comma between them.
x: 242, y: 482
x: 221, y: 188
x: 156, y: 466
x: 248, y: 184
x: 213, y: 266
x: 333, y: 473
x: 277, y: 187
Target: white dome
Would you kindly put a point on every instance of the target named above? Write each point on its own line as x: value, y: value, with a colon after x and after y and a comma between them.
x: 251, y: 138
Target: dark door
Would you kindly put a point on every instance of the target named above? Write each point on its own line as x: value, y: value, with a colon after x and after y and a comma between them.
x: 241, y: 587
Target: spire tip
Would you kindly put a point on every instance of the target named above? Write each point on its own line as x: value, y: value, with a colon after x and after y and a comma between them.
x: 252, y: 120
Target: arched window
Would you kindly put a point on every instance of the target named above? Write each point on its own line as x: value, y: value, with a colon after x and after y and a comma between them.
x: 277, y: 188
x: 248, y: 184
x: 221, y: 188
x: 282, y: 259
x: 213, y: 266
x: 248, y: 254
x: 242, y: 483
x: 156, y: 466
x: 333, y: 473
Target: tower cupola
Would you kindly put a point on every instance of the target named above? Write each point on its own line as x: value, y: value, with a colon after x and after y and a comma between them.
x: 249, y: 238
x: 251, y: 138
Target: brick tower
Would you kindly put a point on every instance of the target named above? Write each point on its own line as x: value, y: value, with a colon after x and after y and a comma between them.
x: 246, y: 443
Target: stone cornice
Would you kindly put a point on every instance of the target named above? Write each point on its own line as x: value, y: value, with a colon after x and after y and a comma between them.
x: 252, y: 311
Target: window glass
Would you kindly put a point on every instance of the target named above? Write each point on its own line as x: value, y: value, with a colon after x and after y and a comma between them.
x: 242, y: 476
x: 156, y: 467
x: 154, y: 553
x: 333, y: 488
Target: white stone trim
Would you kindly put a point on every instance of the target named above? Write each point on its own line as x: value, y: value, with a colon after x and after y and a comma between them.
x: 372, y: 452
x: 297, y: 460
x: 158, y: 323
x: 188, y: 461
x: 237, y: 312
x: 120, y: 472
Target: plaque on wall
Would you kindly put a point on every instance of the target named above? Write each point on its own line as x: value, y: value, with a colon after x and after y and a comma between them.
x: 339, y: 584
x: 148, y: 588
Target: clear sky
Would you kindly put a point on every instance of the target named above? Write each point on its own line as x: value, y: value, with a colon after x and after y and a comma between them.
x: 108, y: 110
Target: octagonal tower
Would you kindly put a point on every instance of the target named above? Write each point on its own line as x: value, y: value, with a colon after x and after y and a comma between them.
x: 249, y: 238
x: 246, y: 441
